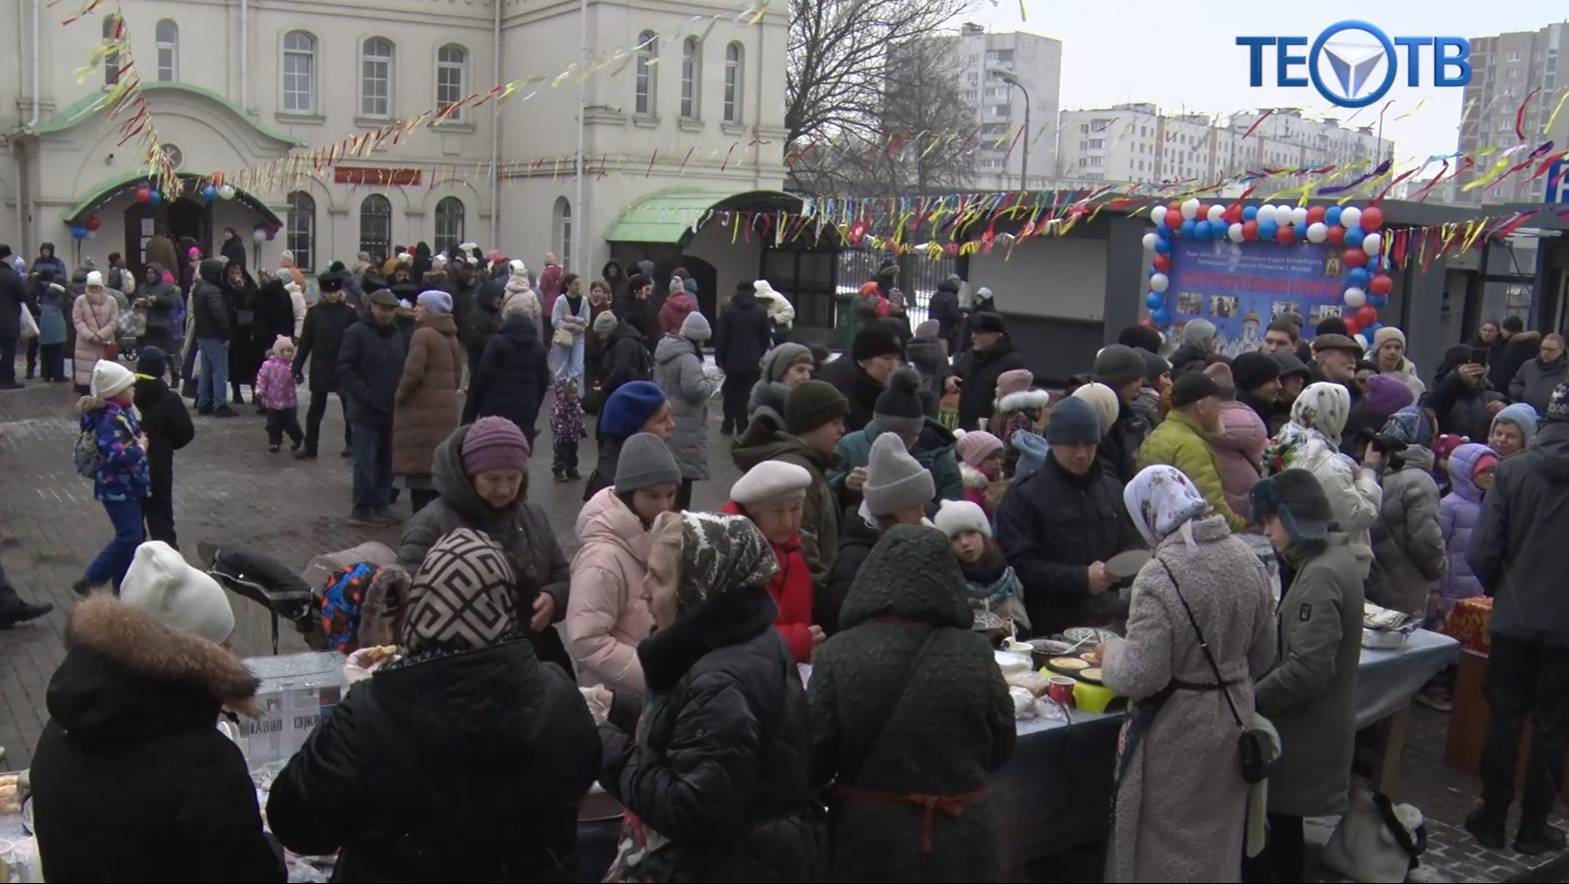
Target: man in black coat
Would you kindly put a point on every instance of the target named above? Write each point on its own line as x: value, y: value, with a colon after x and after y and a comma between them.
x: 1462, y: 401
x: 370, y: 364
x: 512, y: 377
x: 319, y: 343
x: 944, y: 307
x: 484, y: 320
x: 212, y: 332
x: 638, y: 309
x: 625, y: 359
x: 740, y: 340
x: 976, y: 371
x: 1060, y: 525
x: 168, y: 428
x: 863, y: 373
x: 13, y: 297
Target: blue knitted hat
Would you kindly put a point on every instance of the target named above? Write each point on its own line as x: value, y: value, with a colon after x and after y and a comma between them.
x: 629, y: 407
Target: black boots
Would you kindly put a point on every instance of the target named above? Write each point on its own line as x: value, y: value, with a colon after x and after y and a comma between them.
x: 1538, y: 837
x: 1535, y: 836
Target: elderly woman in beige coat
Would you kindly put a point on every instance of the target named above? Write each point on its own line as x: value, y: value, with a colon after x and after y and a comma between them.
x: 427, y: 406
x: 96, y: 316
x: 1181, y: 802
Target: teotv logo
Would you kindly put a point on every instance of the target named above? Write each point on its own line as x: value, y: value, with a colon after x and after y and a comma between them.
x: 1353, y: 63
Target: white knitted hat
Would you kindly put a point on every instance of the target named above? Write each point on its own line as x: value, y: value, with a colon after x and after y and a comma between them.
x: 177, y: 595
x: 110, y: 379
x: 956, y: 516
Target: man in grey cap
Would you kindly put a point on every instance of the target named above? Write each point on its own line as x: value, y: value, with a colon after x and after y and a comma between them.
x: 896, y: 492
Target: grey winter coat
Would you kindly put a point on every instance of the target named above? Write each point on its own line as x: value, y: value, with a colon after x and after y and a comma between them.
x: 1535, y: 380
x: 679, y: 373
x: 1310, y: 693
x: 1518, y: 550
x: 1160, y: 833
x: 1408, y: 541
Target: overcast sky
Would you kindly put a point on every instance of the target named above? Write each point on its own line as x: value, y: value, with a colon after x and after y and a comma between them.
x: 1184, y: 55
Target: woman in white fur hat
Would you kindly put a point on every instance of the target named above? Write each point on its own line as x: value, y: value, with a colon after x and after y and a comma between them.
x: 96, y: 317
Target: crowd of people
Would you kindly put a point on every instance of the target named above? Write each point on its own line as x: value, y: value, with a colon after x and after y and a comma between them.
x: 901, y: 508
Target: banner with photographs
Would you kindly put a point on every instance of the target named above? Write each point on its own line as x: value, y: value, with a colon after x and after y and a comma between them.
x: 1241, y: 289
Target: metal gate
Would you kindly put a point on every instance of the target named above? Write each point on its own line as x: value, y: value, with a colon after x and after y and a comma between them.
x: 918, y: 276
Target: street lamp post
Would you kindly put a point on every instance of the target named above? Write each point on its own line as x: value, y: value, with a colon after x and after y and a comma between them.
x: 1008, y: 77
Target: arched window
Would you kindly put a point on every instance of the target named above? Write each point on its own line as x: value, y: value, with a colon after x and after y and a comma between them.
x: 647, y: 79
x: 561, y: 218
x: 112, y: 60
x: 376, y: 227
x: 691, y: 78
x: 376, y: 78
x: 168, y: 34
x: 735, y: 58
x: 449, y: 223
x: 451, y: 66
x: 301, y: 234
x: 299, y: 72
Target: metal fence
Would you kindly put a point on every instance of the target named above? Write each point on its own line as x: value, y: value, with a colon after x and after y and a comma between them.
x: 918, y: 277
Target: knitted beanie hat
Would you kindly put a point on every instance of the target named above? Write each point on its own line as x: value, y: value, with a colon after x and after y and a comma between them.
x: 957, y: 516
x: 898, y: 408
x: 645, y: 461
x: 927, y: 330
x: 1388, y: 333
x: 177, y: 595
x: 605, y: 323
x: 436, y: 301
x: 1108, y: 405
x: 894, y: 480
x: 1387, y: 394
x: 695, y: 327
x: 1073, y: 420
x: 110, y: 379
x: 1155, y: 365
x: 630, y: 407
x: 462, y: 596
x: 1409, y: 425
x: 151, y: 361
x: 1253, y: 369
x: 1016, y: 380
x: 494, y: 443
x: 813, y: 404
x: 1198, y: 333
x: 778, y: 360
x: 1522, y: 415
x: 1118, y: 365
x: 977, y: 445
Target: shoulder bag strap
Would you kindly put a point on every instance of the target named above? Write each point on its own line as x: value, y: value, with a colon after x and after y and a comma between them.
x: 1220, y: 681
x: 893, y: 708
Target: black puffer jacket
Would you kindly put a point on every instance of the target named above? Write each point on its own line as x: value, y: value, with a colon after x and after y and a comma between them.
x: 1120, y: 447
x: 890, y: 725
x: 721, y: 758
x: 320, y: 341
x: 643, y: 315
x: 162, y: 298
x: 13, y: 297
x: 512, y: 378
x: 944, y: 307
x: 208, y: 302
x: 1460, y: 407
x: 857, y: 386
x: 370, y: 364
x: 168, y: 426
x: 131, y: 772
x: 484, y: 320
x: 274, y: 316
x: 741, y: 335
x: 979, y: 370
x: 1052, y: 526
x: 464, y: 766
x: 625, y: 359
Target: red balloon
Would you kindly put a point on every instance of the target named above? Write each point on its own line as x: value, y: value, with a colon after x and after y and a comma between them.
x: 1372, y: 218
x: 1162, y: 263
x: 1285, y: 236
x: 1352, y: 326
x: 1315, y: 214
x: 1233, y: 215
x: 1174, y: 219
x: 93, y: 222
x: 1381, y: 284
x: 1336, y: 236
x: 1174, y: 208
x: 1203, y: 212
x: 1367, y: 314
x: 1148, y: 323
x: 1353, y: 258
x: 1250, y: 230
x: 143, y: 194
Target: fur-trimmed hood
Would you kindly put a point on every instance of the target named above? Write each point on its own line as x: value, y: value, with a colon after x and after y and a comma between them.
x: 127, y: 676
x: 973, y: 478
x: 1024, y: 399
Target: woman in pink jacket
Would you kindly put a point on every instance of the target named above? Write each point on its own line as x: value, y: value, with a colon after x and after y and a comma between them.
x: 1239, y: 452
x: 606, y: 615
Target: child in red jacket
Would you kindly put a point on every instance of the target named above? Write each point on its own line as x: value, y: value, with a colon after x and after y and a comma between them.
x: 772, y: 494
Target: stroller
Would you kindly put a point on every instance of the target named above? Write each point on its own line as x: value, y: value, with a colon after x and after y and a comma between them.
x: 288, y: 597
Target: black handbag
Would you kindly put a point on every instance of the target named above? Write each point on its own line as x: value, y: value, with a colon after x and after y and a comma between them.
x: 1256, y: 765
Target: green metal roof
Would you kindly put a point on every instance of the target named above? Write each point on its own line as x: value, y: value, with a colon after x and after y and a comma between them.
x: 80, y: 110
x: 106, y: 191
x: 666, y: 216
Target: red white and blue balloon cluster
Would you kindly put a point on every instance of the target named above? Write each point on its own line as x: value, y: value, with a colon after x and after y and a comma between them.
x: 1357, y: 231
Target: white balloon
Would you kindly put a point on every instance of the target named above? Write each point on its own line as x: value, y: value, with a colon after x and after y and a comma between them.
x: 1149, y: 242
x: 1318, y: 231
x: 1362, y: 340
x: 1190, y: 208
x: 1371, y: 244
x: 226, y: 191
x: 1266, y: 212
x: 1351, y: 217
x: 1355, y: 297
x: 1235, y: 232
x: 258, y: 234
x: 1158, y: 215
x: 1299, y: 215
x: 1216, y: 214
x: 1159, y: 283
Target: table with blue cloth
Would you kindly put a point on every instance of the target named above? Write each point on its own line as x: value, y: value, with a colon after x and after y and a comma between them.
x: 1056, y: 792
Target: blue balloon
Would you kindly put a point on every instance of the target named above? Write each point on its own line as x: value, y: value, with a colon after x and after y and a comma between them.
x: 1162, y: 246
x: 1201, y: 231
x: 78, y: 231
x: 1332, y: 216
x: 154, y: 197
x: 1249, y: 213
x: 1162, y: 231
x: 1354, y: 237
x: 1358, y: 276
x: 1188, y: 228
x: 209, y: 193
x: 1162, y: 317
x: 1267, y: 230
x: 1378, y: 301
x: 1154, y: 300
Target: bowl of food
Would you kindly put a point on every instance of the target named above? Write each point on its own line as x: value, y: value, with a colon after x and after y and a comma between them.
x: 1043, y: 649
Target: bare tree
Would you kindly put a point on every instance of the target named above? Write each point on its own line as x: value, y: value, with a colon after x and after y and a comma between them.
x: 841, y: 89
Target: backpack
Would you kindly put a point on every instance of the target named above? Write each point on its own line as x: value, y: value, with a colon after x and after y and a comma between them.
x: 342, y: 598
x: 86, y: 454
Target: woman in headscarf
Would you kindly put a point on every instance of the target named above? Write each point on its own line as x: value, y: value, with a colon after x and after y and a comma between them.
x: 715, y: 780
x: 462, y: 759
x: 1190, y: 693
x: 427, y: 408
x: 1311, y: 441
x: 233, y: 248
x: 245, y: 357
